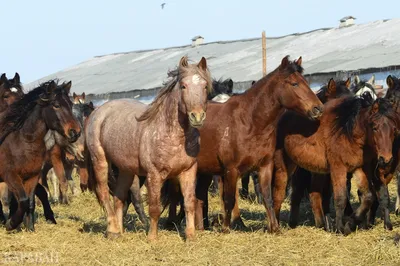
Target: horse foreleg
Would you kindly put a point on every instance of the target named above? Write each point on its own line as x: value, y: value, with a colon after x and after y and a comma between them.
x: 244, y: 193
x: 301, y: 179
x: 265, y: 176
x: 237, y: 222
x: 366, y: 200
x: 257, y: 188
x: 83, y: 176
x: 137, y: 200
x: 187, y: 181
x: 154, y: 185
x: 229, y: 196
x: 338, y: 179
x: 5, y: 202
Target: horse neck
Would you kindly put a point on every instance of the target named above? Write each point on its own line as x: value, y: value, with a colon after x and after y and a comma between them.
x: 34, y: 128
x: 173, y: 120
x: 360, y: 130
x: 262, y: 104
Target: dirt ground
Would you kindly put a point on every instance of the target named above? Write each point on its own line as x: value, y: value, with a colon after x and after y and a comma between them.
x: 78, y: 238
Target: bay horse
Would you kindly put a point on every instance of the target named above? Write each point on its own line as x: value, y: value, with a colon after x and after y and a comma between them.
x: 302, y: 180
x: 159, y: 141
x: 11, y: 90
x: 349, y: 128
x: 22, y: 149
x: 245, y: 140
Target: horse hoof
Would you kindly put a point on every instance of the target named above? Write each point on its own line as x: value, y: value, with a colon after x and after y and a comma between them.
x: 292, y: 224
x: 328, y: 224
x: 388, y: 226
x: 9, y: 226
x: 238, y: 224
x: 111, y: 235
x: 348, y: 228
x: 226, y: 230
x: 51, y: 220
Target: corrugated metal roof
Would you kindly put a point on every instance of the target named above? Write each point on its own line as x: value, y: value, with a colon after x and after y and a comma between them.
x: 363, y: 46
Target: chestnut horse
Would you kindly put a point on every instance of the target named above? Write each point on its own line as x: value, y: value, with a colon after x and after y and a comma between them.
x: 245, y: 140
x: 22, y: 149
x: 78, y: 99
x: 160, y: 142
x: 336, y: 145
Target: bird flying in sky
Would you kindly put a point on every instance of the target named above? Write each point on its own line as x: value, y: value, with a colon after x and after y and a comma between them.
x: 162, y: 5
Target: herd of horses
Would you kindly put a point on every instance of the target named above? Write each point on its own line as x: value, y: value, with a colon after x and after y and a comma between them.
x: 278, y: 131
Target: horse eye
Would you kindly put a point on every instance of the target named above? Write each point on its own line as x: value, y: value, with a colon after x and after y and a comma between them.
x: 206, y: 87
x: 183, y: 87
x: 375, y: 129
x: 56, y: 105
x: 295, y: 84
x: 6, y: 96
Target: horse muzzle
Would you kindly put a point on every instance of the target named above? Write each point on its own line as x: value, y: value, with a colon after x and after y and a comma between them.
x: 196, y: 119
x: 383, y: 162
x: 73, y: 135
x: 316, y: 112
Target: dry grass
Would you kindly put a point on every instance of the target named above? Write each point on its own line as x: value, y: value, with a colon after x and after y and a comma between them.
x: 78, y: 239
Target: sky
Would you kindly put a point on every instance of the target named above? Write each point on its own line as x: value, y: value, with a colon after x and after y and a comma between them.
x: 42, y: 37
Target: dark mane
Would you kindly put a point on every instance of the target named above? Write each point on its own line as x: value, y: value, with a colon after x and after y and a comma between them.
x: 347, y: 113
x: 19, y: 111
x: 221, y: 86
x: 175, y: 76
x: 385, y: 108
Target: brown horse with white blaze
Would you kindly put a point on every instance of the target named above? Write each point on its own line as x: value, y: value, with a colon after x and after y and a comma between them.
x: 160, y: 141
x: 245, y: 140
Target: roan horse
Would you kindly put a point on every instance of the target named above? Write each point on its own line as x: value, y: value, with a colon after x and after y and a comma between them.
x: 160, y: 142
x: 22, y: 149
x: 335, y: 146
x: 245, y: 140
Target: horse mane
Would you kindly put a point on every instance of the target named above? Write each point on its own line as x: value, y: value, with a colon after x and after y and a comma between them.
x: 175, y: 76
x: 348, y: 111
x: 19, y: 111
x: 346, y: 114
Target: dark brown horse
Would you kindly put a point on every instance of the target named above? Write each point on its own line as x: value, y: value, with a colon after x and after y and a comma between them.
x: 160, y: 142
x: 349, y: 130
x: 245, y: 139
x: 22, y: 149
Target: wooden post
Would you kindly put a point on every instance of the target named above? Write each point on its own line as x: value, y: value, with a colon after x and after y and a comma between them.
x: 264, y: 54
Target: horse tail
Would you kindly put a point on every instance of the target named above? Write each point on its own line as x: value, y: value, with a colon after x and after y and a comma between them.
x: 91, y: 178
x: 165, y: 194
x: 171, y: 193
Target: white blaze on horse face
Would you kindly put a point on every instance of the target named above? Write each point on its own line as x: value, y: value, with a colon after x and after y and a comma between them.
x: 366, y: 89
x: 13, y: 89
x: 196, y: 79
x: 81, y: 101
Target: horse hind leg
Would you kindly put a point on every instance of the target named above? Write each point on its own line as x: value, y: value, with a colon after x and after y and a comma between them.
x: 41, y: 193
x: 338, y: 180
x: 17, y: 214
x: 5, y: 202
x: 317, y: 183
x: 102, y: 190
x: 137, y: 200
x: 203, y: 182
x: 124, y: 182
x: 154, y: 184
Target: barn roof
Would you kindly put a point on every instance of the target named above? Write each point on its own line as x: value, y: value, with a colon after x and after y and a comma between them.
x: 363, y: 46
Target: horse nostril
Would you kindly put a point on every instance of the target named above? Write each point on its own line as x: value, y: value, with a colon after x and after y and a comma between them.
x: 381, y: 160
x: 316, y: 110
x: 73, y: 133
x: 202, y: 115
x: 192, y: 116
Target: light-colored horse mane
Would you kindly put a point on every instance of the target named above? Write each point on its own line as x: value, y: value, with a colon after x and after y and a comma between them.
x: 163, y: 98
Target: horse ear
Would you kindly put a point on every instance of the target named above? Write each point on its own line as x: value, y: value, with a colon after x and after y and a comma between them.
x: 202, y: 64
x: 253, y: 82
x: 331, y: 88
x: 51, y: 87
x: 285, y: 62
x: 183, y: 62
x: 3, y: 78
x: 17, y: 78
x: 390, y: 82
x: 83, y: 95
x: 74, y: 95
x: 299, y: 61
x: 371, y: 80
x: 91, y: 105
x: 348, y: 83
x: 67, y: 86
x: 356, y: 79
x: 230, y: 83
